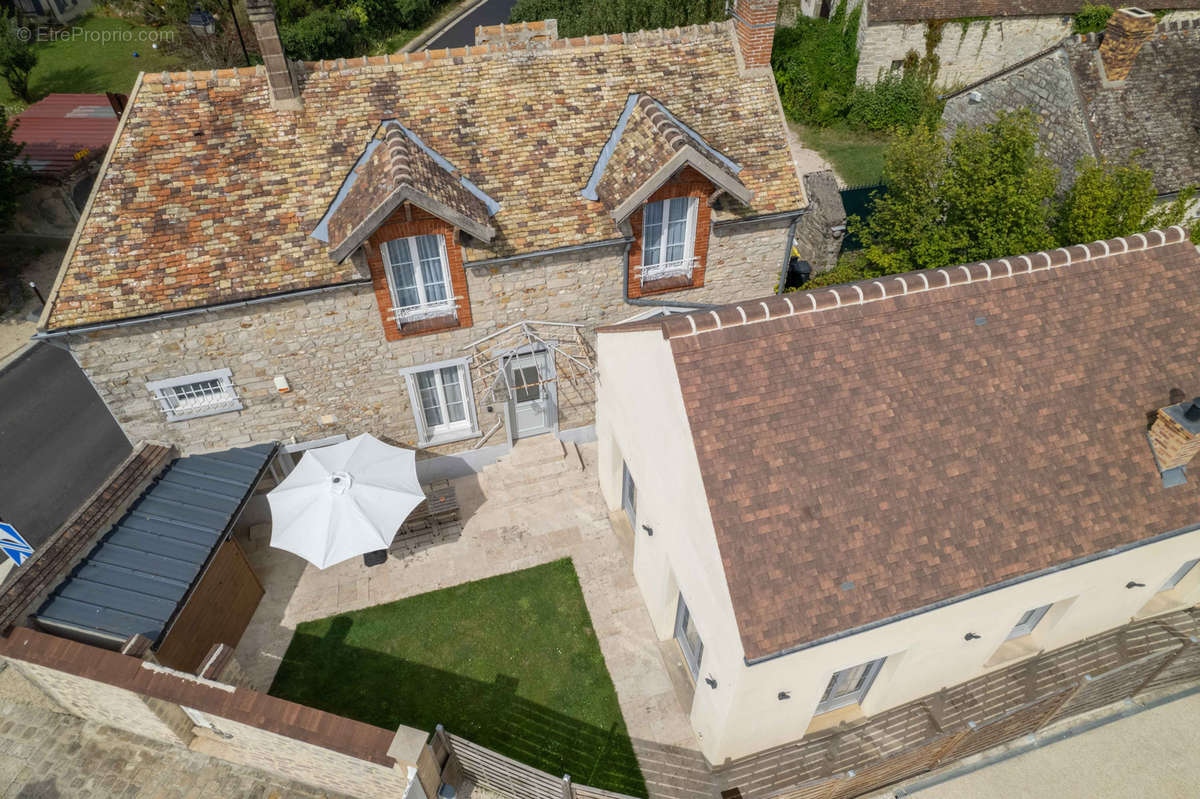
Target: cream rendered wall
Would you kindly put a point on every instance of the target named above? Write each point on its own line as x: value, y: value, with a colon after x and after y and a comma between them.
x: 641, y: 418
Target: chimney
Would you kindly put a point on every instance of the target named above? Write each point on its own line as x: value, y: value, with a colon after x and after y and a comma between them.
x: 1128, y: 29
x: 754, y: 23
x: 285, y: 93
x: 1175, y: 434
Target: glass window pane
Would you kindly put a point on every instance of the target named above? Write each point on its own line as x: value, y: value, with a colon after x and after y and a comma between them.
x: 456, y: 408
x: 525, y: 384
x: 431, y: 405
x: 652, y: 233
x: 404, y: 279
x: 433, y: 271
x: 677, y: 230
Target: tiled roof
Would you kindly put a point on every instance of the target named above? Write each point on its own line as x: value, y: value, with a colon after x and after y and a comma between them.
x: 401, y: 168
x: 913, y: 10
x: 648, y: 140
x: 211, y: 195
x: 872, y: 449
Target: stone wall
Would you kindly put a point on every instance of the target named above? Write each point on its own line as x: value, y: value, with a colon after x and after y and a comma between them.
x: 1044, y: 86
x: 343, y: 373
x: 109, y: 705
x: 288, y: 757
x: 983, y: 48
x: 822, y: 229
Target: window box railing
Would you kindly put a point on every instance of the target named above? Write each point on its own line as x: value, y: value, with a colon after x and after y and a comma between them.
x: 427, y: 310
x: 682, y: 267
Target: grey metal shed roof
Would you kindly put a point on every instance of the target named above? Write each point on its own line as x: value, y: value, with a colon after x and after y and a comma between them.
x: 140, y: 572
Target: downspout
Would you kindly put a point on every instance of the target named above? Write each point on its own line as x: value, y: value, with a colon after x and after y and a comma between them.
x: 787, y: 251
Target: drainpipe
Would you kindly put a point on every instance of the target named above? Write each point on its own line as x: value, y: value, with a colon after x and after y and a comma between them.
x: 787, y: 252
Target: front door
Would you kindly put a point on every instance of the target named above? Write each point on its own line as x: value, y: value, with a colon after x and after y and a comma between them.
x: 531, y: 396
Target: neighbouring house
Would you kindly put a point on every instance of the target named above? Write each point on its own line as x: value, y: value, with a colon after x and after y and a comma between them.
x: 970, y: 38
x: 1131, y: 92
x: 419, y: 245
x: 65, y: 136
x: 58, y: 11
x: 847, y: 499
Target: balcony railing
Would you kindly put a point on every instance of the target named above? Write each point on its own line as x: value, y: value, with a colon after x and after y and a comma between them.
x: 427, y: 310
x: 660, y: 271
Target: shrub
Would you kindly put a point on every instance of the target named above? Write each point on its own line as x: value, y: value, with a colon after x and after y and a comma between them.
x: 325, y: 33
x: 584, y: 17
x: 17, y: 57
x: 897, y: 100
x: 815, y: 63
x: 1092, y: 19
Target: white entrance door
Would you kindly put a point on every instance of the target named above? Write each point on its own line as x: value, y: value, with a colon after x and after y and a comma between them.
x: 532, y: 406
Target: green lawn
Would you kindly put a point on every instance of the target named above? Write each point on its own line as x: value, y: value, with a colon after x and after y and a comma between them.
x: 856, y: 157
x: 95, y: 54
x: 510, y: 662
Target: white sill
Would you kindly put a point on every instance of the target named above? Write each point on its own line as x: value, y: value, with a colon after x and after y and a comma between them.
x: 447, y: 438
x: 1013, y: 649
x: 183, y: 417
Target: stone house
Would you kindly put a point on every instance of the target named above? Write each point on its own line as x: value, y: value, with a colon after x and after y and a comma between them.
x: 419, y: 245
x: 971, y: 38
x: 846, y: 500
x: 1082, y: 91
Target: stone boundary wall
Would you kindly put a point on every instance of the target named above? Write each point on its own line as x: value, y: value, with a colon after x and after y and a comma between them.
x: 343, y: 373
x: 230, y: 722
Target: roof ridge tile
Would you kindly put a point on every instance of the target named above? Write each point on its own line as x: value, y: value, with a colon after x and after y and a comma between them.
x: 863, y: 292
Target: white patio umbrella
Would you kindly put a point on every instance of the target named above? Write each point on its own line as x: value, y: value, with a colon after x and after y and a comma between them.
x: 344, y: 500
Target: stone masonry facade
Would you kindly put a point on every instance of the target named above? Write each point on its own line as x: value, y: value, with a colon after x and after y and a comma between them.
x: 344, y: 374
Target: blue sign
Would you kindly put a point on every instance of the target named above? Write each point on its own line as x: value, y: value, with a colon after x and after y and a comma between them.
x: 13, y: 544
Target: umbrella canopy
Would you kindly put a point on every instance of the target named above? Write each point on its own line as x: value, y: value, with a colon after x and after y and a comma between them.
x: 344, y: 500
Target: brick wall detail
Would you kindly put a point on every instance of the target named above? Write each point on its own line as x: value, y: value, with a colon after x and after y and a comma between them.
x: 411, y: 221
x: 686, y: 183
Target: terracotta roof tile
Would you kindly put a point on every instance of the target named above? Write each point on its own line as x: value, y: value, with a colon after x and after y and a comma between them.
x: 923, y: 443
x: 211, y: 196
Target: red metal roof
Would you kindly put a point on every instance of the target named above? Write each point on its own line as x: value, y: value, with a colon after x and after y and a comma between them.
x: 64, y: 129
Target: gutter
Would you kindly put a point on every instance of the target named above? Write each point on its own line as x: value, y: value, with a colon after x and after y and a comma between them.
x: 84, y: 329
x: 862, y: 628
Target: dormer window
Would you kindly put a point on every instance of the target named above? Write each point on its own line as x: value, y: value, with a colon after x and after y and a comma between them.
x: 419, y: 278
x: 668, y: 238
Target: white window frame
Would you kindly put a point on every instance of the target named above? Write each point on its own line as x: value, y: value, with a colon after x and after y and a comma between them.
x: 666, y: 269
x: 444, y: 433
x: 164, y: 392
x: 424, y: 309
x: 854, y: 697
x: 1028, y: 622
x: 1177, y: 576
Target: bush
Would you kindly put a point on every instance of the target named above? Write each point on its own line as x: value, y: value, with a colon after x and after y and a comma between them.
x: 325, y: 33
x: 1092, y: 19
x: 897, y: 100
x: 815, y: 63
x: 585, y: 17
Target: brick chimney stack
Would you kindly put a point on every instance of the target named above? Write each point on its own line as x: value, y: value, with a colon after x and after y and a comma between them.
x: 1175, y: 434
x: 285, y: 92
x: 754, y: 23
x: 1128, y: 29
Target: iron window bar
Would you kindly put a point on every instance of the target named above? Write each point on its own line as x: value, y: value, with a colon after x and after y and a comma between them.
x: 683, y: 266
x: 426, y: 310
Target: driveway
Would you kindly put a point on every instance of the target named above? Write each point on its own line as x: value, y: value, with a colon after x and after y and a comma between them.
x: 57, y: 441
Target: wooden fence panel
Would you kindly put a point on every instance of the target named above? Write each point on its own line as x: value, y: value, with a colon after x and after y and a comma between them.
x: 813, y: 789
x: 1185, y: 666
x: 1114, y: 685
x: 916, y: 760
x: 1013, y: 724
x: 503, y: 774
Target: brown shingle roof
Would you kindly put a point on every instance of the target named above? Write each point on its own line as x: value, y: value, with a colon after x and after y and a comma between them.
x: 400, y: 169
x: 211, y: 196
x: 876, y: 448
x: 914, y: 10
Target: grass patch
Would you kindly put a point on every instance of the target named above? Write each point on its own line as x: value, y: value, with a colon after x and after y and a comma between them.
x: 511, y: 662
x: 857, y: 157
x: 95, y: 54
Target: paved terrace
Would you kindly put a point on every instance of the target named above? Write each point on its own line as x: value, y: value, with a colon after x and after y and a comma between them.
x: 538, y: 504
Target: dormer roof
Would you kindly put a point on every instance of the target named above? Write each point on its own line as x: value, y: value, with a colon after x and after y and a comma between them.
x: 398, y: 167
x: 647, y: 146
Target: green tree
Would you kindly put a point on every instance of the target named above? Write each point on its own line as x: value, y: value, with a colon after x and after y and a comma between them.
x: 584, y: 17
x: 1114, y: 199
x: 15, y: 177
x: 985, y: 193
x: 17, y: 56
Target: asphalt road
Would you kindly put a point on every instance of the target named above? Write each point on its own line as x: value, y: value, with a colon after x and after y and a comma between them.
x: 462, y: 33
x: 57, y: 441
